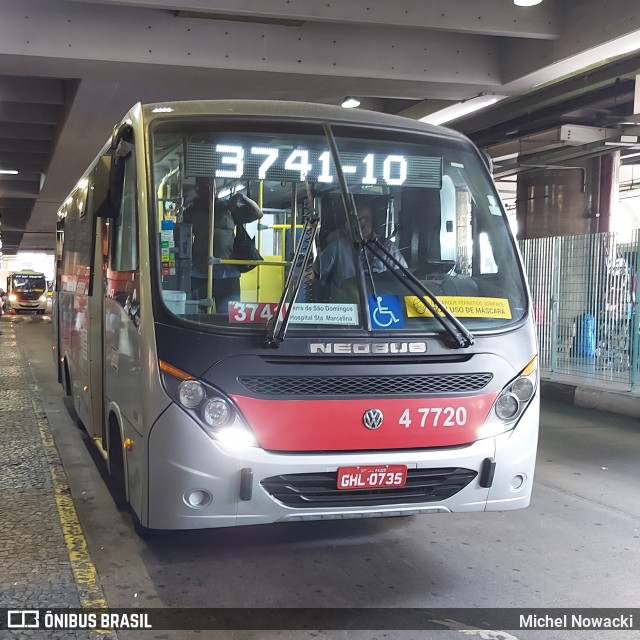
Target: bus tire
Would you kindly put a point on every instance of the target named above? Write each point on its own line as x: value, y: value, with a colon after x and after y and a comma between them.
x: 117, y: 481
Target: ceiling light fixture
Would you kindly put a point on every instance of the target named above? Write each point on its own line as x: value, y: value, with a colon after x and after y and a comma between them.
x: 9, y: 172
x: 350, y: 103
x: 526, y: 3
x: 634, y: 46
x: 631, y: 145
x: 460, y: 109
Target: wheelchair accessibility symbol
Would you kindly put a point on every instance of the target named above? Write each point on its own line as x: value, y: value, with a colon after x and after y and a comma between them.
x: 385, y: 312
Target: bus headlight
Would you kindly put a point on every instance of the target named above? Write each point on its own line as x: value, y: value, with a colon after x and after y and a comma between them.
x: 190, y: 393
x: 216, y: 412
x: 523, y: 389
x: 511, y: 403
x: 235, y: 438
x: 43, y: 298
x: 12, y: 297
x: 506, y: 406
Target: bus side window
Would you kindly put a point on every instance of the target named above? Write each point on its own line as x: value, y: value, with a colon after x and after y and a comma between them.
x: 124, y: 246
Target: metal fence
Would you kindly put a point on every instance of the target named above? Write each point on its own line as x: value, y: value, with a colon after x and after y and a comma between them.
x: 584, y: 291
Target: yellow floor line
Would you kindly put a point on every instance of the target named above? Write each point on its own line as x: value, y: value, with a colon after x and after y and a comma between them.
x: 84, y: 571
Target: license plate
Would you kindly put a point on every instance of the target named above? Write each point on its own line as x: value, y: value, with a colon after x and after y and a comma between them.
x: 372, y: 477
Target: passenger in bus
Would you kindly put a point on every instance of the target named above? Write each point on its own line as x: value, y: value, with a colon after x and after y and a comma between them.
x: 238, y: 209
x: 335, y: 263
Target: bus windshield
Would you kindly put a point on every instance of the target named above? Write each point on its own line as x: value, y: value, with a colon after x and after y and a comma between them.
x: 28, y: 283
x: 426, y: 200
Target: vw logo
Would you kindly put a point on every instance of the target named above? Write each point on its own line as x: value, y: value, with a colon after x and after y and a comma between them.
x: 372, y: 418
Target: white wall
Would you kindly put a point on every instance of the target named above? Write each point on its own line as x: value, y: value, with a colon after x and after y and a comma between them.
x: 625, y: 215
x: 43, y: 262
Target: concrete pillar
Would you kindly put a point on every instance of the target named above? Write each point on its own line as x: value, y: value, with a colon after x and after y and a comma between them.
x: 609, y: 173
x: 572, y: 199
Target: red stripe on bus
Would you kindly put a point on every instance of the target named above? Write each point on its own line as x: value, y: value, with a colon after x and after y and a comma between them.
x: 338, y: 425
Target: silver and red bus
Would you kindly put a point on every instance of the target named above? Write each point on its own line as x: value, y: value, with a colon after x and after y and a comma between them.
x: 26, y: 292
x: 375, y: 355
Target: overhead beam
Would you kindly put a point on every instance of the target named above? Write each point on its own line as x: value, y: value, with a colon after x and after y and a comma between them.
x: 29, y: 113
x: 22, y: 159
x: 551, y: 100
x: 553, y: 157
x: 19, y: 189
x: 482, y: 17
x: 11, y: 242
x: 33, y: 90
x: 27, y: 131
x: 28, y: 146
x: 114, y: 33
x: 593, y: 31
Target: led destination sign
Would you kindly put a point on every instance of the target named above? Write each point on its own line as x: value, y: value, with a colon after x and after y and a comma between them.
x: 287, y: 163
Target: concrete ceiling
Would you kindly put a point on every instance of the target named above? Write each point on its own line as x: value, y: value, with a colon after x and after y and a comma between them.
x: 70, y: 69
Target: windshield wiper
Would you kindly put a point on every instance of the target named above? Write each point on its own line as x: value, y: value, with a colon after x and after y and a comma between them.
x: 277, y: 327
x: 461, y: 335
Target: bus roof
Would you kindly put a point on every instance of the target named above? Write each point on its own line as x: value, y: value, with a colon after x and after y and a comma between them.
x: 27, y: 272
x: 290, y: 109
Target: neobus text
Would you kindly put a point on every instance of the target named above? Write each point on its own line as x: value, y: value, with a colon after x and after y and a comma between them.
x: 364, y: 348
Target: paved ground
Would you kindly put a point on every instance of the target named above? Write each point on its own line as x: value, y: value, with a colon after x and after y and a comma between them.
x: 35, y: 566
x: 576, y: 546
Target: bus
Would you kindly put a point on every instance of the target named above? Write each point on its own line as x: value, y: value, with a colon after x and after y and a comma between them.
x: 27, y: 291
x: 377, y: 355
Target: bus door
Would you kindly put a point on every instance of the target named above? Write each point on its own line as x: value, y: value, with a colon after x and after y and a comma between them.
x: 122, y: 350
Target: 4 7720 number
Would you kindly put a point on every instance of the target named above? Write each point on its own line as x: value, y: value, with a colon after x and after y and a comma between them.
x: 434, y: 417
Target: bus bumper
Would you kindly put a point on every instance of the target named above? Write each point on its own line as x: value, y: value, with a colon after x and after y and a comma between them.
x: 196, y: 483
x: 27, y: 305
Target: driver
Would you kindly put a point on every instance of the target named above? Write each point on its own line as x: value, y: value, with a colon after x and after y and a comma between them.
x: 335, y: 263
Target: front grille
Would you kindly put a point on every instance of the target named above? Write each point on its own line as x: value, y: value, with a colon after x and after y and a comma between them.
x: 25, y: 296
x: 366, y: 385
x: 318, y: 490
